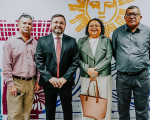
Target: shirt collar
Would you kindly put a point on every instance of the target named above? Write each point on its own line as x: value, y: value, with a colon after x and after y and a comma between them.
x: 19, y: 36
x: 54, y: 36
x: 128, y: 29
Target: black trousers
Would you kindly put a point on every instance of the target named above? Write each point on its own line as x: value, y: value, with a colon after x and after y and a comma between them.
x: 139, y: 85
x: 51, y: 99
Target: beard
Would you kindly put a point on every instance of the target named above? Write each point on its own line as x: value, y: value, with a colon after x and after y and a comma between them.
x: 58, y: 30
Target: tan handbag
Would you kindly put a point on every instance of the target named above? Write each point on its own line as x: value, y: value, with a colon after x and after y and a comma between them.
x: 93, y: 107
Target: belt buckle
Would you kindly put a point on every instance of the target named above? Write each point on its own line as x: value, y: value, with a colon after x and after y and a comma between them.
x: 130, y: 73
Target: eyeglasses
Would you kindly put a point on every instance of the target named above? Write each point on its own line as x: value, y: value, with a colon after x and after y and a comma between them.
x: 132, y: 14
x: 94, y: 26
x: 61, y: 23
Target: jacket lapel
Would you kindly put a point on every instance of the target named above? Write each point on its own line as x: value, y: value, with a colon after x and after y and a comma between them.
x: 64, y: 44
x: 51, y: 44
x: 87, y: 48
x: 98, y: 49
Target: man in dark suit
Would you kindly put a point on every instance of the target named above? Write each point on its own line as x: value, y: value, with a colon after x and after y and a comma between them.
x: 57, y: 61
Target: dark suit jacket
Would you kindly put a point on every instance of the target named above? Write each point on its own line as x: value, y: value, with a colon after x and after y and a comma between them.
x: 46, y: 59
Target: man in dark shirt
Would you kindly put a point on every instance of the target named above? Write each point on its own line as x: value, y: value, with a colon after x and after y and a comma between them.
x: 131, y: 43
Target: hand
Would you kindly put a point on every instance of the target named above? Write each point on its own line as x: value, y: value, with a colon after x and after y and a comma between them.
x: 12, y: 90
x: 62, y: 81
x: 37, y: 87
x: 55, y: 82
x: 92, y: 72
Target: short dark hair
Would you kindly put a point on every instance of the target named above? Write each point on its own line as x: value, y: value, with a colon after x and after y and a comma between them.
x: 26, y: 16
x: 58, y: 15
x: 100, y: 22
x: 132, y: 7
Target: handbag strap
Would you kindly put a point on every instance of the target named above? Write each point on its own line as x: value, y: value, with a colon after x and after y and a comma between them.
x: 97, y: 92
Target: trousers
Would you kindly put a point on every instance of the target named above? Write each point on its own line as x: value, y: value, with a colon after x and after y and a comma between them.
x: 139, y: 86
x: 19, y: 107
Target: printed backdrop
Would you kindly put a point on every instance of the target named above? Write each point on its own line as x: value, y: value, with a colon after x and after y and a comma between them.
x: 77, y: 13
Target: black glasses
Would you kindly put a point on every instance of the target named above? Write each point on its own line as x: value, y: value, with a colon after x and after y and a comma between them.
x: 94, y: 26
x: 132, y: 14
x: 56, y: 22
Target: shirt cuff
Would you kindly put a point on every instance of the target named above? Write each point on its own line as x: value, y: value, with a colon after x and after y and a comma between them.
x: 38, y: 78
x: 10, y: 83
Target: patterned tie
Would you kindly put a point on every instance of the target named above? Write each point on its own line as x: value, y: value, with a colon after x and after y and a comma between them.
x: 58, y: 52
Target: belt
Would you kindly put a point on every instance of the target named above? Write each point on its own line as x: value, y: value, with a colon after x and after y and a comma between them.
x: 132, y: 73
x: 22, y: 78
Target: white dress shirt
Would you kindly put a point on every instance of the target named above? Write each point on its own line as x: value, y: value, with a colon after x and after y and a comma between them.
x: 55, y: 40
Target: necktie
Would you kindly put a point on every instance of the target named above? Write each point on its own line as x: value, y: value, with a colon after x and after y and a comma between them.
x: 58, y: 52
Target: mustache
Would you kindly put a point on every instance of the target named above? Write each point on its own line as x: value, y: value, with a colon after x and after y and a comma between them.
x: 58, y: 27
x: 94, y: 30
